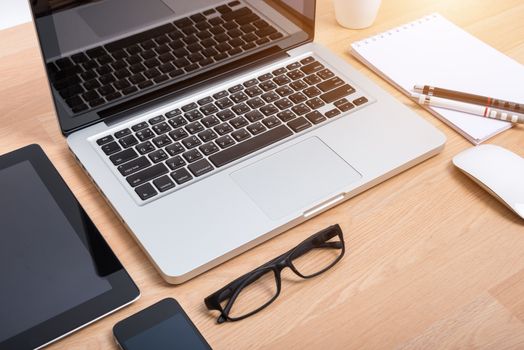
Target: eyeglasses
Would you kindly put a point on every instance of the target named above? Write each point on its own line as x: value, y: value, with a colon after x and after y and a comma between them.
x: 255, y: 290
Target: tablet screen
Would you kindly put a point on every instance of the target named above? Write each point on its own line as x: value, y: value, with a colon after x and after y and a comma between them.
x: 46, y: 269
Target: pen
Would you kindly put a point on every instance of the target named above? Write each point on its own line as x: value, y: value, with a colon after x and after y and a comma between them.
x: 470, y: 98
x: 467, y: 108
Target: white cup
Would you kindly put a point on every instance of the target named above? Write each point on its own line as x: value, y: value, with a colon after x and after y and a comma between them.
x: 356, y: 14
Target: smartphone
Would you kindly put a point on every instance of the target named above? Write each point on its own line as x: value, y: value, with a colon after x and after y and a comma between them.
x: 163, y: 325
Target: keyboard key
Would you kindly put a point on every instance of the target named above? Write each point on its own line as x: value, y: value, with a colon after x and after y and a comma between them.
x: 286, y: 116
x: 330, y: 84
x: 224, y: 103
x: 254, y: 116
x: 157, y: 156
x: 193, y: 115
x: 156, y: 119
x: 315, y: 117
x: 325, y: 74
x: 249, y: 146
x: 240, y: 135
x: 284, y: 103
x: 284, y: 91
x: 240, y: 108
x: 122, y: 133
x: 298, y: 97
x: 225, y: 141
x: 299, y: 124
x: 238, y: 122
x: 134, y: 166
x: 178, y: 134
x: 312, y: 68
x: 128, y: 141
x: 220, y: 95
x: 359, y: 101
x: 191, y: 142
x: 146, y: 191
x: 177, y: 121
x: 312, y: 91
x: 208, y: 148
x: 163, y: 183
x: 223, y: 129
x: 271, y: 122
x: 307, y: 60
x: 110, y: 148
x: 255, y: 103
x: 315, y: 103
x: 301, y: 109
x: 200, y: 168
x: 194, y: 127
x: 174, y: 113
x: 270, y: 97
x: 161, y: 141
x: 145, y: 147
x: 268, y: 110
x: 104, y: 140
x: 174, y: 149
x: 189, y: 107
x: 192, y: 155
x: 225, y: 114
x: 175, y: 162
x: 332, y: 113
x: 337, y: 94
x: 282, y: 80
x: 181, y: 176
x: 124, y: 156
x: 295, y: 74
x: 298, y: 85
x: 147, y: 174
x: 344, y: 105
x: 161, y: 128
x: 145, y: 134
x: 209, y: 109
x: 256, y: 128
x: 210, y: 121
x: 207, y: 135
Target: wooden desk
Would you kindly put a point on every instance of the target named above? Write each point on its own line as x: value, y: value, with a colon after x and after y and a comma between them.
x: 433, y: 260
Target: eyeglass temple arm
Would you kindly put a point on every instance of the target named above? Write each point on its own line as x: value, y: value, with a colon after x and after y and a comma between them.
x: 228, y: 290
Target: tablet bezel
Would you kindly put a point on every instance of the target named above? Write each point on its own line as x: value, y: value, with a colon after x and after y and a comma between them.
x: 123, y: 290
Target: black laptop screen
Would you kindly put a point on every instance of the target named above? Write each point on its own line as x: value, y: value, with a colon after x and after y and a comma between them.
x: 106, y: 57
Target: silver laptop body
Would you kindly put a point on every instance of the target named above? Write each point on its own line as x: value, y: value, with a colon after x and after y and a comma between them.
x: 199, y: 224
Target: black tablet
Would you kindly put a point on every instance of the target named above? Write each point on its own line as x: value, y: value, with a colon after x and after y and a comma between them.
x: 57, y: 273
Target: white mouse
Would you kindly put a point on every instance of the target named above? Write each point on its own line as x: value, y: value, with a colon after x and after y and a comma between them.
x: 498, y: 171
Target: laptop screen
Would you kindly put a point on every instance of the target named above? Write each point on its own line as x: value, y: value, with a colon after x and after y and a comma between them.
x: 106, y: 58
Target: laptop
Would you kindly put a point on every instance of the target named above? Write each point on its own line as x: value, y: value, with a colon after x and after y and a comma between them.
x: 212, y: 126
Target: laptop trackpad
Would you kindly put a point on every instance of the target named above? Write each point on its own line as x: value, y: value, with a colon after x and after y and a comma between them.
x: 296, y: 178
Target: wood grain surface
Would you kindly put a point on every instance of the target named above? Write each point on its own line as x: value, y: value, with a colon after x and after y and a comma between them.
x: 433, y: 261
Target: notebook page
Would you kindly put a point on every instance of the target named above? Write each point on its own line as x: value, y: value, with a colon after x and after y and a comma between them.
x: 434, y: 51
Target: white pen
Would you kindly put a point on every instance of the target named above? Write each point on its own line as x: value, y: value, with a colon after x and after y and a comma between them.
x: 482, y: 111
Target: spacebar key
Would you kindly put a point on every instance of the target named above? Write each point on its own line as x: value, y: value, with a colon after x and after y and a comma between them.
x: 253, y: 144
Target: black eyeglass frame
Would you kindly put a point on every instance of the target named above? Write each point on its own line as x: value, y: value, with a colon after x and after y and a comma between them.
x: 234, y: 288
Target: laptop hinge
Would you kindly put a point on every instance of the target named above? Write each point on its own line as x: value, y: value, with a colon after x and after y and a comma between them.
x: 130, y: 109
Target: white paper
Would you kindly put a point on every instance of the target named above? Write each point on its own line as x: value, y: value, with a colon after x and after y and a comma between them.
x: 434, y: 51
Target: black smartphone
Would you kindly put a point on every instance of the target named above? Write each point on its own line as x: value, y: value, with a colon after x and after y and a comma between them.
x: 163, y: 325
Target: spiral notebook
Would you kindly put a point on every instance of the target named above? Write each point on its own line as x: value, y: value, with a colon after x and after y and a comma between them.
x: 434, y: 51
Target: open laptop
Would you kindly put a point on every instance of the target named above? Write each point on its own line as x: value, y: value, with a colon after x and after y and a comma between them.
x: 212, y: 126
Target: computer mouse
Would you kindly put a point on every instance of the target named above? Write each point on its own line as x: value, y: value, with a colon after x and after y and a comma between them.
x: 498, y: 171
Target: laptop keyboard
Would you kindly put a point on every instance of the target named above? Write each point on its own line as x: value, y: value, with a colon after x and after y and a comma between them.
x: 162, y: 153
x: 139, y: 62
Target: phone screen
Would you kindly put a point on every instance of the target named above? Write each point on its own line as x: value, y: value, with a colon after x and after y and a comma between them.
x: 163, y: 325
x: 172, y: 333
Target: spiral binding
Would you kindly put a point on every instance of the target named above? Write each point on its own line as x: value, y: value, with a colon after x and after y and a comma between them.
x: 390, y: 32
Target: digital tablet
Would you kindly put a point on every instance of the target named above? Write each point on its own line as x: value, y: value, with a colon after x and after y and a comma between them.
x: 57, y: 272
